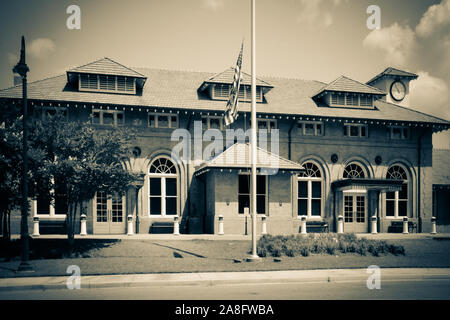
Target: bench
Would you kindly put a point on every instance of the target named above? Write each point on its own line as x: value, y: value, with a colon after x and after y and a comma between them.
x: 52, y: 227
x: 397, y: 227
x: 161, y: 227
x: 316, y: 226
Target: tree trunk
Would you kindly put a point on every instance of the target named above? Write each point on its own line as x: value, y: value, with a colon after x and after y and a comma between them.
x: 70, y: 226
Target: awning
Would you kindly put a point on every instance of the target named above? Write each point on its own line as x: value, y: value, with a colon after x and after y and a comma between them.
x: 236, y: 157
x: 384, y: 185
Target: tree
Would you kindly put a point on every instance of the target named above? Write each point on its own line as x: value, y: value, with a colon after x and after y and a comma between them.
x: 11, y: 163
x: 84, y: 160
x: 72, y: 156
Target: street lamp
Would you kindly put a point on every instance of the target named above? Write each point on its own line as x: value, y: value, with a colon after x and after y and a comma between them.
x: 21, y: 68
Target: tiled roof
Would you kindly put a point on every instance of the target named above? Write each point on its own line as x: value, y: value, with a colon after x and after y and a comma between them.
x: 441, y: 166
x: 237, y: 156
x: 179, y: 89
x: 393, y: 72
x: 227, y: 76
x: 344, y: 84
x: 108, y: 67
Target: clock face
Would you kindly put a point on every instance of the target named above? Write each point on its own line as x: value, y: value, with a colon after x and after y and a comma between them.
x: 398, y: 90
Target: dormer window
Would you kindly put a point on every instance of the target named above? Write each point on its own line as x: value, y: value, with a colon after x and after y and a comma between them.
x: 106, y: 75
x: 222, y: 91
x: 351, y: 100
x: 106, y: 83
x: 349, y: 93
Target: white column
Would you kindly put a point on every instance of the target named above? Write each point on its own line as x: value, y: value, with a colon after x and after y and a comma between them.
x: 35, y: 227
x: 264, y: 225
x: 176, y: 226
x: 221, y: 225
x: 340, y: 228
x: 303, y: 224
x: 374, y: 224
x: 130, y: 225
x: 405, y: 225
x: 83, y: 231
x: 433, y: 225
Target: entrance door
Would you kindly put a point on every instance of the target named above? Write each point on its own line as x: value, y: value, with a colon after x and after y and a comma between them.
x: 355, y: 213
x: 109, y: 214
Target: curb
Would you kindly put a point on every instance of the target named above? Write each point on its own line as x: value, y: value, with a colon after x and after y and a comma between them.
x: 224, y: 278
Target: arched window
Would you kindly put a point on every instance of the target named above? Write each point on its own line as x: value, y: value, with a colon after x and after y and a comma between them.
x: 310, y: 194
x: 163, y: 187
x: 397, y: 202
x: 353, y: 170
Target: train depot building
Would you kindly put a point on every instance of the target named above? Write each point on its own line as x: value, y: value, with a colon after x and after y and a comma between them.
x: 346, y: 150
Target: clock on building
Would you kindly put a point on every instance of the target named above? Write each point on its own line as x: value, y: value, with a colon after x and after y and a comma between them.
x: 398, y: 90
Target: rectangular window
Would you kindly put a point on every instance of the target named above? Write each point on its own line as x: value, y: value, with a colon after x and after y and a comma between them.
x: 398, y: 133
x: 311, y: 128
x: 244, y: 193
x: 266, y: 124
x: 108, y: 117
x: 309, y: 197
x: 162, y: 120
x: 355, y: 130
x: 212, y: 122
x: 155, y: 196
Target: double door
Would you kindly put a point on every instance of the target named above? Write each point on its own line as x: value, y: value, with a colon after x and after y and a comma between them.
x: 109, y: 214
x: 355, y: 213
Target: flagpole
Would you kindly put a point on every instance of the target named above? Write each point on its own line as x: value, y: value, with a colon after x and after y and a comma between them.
x: 253, y: 158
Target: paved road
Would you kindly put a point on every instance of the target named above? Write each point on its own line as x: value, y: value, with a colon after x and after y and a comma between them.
x: 355, y: 289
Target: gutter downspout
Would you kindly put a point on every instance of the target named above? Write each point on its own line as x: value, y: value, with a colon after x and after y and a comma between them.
x: 419, y: 166
x: 290, y: 139
x: 186, y: 227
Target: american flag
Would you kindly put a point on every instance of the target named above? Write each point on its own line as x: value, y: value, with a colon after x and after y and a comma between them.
x: 231, y: 112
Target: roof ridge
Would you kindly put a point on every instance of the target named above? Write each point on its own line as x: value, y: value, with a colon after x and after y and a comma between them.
x: 105, y: 58
x: 364, y: 84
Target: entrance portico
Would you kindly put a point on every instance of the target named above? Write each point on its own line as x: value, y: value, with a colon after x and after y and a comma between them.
x: 358, y: 200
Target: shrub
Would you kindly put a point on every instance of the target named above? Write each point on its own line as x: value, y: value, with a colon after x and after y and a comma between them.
x: 295, y: 245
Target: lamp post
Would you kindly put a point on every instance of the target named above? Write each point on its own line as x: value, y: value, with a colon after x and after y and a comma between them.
x: 21, y: 68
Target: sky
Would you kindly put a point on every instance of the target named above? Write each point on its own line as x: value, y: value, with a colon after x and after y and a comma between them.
x: 305, y: 39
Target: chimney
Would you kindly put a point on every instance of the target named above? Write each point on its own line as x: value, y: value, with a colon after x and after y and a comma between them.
x: 17, y: 80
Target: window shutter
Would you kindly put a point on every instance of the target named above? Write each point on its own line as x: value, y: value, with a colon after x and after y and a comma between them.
x: 84, y: 81
x: 103, y: 82
x: 120, y: 83
x: 129, y: 84
x: 93, y: 84
x: 111, y: 83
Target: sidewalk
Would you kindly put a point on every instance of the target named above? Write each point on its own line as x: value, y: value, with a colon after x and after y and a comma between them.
x: 220, y: 278
x: 228, y: 237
